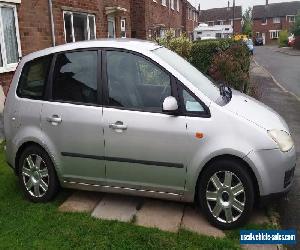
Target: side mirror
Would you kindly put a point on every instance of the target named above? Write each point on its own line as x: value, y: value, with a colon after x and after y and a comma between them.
x: 170, y: 105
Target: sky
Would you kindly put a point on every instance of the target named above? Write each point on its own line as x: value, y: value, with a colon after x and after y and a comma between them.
x: 207, y: 4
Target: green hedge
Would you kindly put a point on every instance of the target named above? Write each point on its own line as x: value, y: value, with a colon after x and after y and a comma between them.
x: 283, y: 38
x: 202, y: 52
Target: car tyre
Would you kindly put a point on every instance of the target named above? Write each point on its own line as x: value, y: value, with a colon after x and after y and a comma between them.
x: 226, y: 193
x: 37, y: 175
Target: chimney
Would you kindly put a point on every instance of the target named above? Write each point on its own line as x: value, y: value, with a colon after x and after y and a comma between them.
x: 267, y: 2
x: 228, y: 8
x: 199, y: 7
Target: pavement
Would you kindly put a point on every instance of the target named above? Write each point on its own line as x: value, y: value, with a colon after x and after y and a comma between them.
x: 283, y: 64
x: 153, y: 213
x: 288, y: 106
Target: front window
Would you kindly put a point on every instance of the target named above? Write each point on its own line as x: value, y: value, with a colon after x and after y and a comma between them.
x: 193, y: 75
x: 274, y: 34
x: 291, y: 19
x: 264, y: 21
x: 210, y: 23
x: 9, y: 38
x: 79, y: 27
x: 136, y: 83
x: 276, y: 20
x: 123, y: 28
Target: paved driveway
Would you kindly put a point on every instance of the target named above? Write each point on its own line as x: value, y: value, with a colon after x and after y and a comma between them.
x: 285, y: 68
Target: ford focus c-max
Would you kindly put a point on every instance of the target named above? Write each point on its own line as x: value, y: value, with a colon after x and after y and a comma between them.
x: 132, y: 117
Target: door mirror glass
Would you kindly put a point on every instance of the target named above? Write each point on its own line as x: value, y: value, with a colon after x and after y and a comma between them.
x: 170, y: 104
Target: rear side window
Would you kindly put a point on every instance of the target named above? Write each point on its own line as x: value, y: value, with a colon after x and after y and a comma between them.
x: 34, y: 77
x: 75, y: 77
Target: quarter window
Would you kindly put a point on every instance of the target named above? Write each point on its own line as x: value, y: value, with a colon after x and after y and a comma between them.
x: 33, y: 78
x: 75, y: 77
x: 191, y: 104
x: 79, y: 27
x: 136, y: 83
x: 9, y: 38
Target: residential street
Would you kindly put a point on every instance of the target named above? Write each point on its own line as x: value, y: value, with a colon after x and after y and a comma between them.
x: 284, y: 67
x: 289, y: 108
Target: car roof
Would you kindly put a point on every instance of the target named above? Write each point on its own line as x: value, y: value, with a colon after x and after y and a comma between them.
x: 121, y: 43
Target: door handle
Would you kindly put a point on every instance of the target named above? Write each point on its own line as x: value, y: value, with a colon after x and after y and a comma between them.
x: 118, y: 126
x: 54, y: 120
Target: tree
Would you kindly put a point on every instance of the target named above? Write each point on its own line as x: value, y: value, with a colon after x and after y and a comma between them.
x: 296, y: 28
x: 247, y: 22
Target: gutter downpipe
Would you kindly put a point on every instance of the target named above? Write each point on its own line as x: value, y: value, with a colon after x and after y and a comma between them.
x: 52, y: 22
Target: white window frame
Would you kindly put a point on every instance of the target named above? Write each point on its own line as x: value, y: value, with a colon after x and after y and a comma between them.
x: 178, y: 5
x: 11, y: 66
x: 276, y: 34
x: 87, y: 23
x: 172, y: 4
x: 123, y: 27
x: 164, y: 2
x: 289, y: 18
x: 276, y: 20
x: 265, y: 23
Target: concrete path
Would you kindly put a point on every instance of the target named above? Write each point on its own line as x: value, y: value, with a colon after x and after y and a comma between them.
x: 164, y: 215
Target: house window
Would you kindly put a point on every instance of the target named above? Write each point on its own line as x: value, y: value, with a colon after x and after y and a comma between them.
x: 164, y: 2
x: 9, y: 38
x: 123, y: 28
x: 264, y: 21
x: 79, y: 26
x: 274, y: 34
x: 276, y: 20
x: 291, y: 19
x: 178, y: 7
x: 220, y: 22
x: 211, y: 23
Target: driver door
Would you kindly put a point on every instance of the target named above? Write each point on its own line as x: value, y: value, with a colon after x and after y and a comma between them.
x: 144, y: 147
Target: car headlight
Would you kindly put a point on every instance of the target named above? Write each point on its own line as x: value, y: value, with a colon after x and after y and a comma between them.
x: 282, y: 138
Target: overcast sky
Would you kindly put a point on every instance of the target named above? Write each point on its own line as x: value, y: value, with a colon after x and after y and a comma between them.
x: 207, y: 4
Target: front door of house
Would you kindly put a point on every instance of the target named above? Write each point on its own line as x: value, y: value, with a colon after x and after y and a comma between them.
x: 264, y: 37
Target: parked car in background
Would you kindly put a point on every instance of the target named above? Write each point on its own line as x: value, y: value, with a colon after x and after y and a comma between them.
x: 132, y: 117
x: 250, y: 46
x: 258, y: 41
x: 291, y: 40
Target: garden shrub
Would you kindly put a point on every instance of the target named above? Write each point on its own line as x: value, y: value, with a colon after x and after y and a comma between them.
x: 232, y: 66
x: 181, y: 45
x: 202, y: 52
x: 283, y: 38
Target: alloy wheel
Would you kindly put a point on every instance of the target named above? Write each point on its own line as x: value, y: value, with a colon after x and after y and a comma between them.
x: 225, y: 196
x: 35, y: 175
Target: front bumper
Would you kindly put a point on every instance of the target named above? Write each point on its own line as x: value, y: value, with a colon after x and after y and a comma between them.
x: 274, y: 170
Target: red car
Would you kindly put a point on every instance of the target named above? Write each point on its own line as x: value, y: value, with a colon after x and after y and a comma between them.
x: 291, y: 41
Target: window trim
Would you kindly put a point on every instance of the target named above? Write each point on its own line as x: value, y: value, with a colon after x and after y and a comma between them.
x: 72, y: 23
x: 105, y: 81
x: 276, y: 20
x: 273, y: 31
x: 289, y: 18
x: 45, y: 88
x: 49, y: 86
x: 11, y: 66
x: 203, y: 114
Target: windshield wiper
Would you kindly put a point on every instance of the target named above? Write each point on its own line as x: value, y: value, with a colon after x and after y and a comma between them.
x: 225, y: 91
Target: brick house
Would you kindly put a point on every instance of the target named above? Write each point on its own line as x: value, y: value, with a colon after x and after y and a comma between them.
x: 190, y: 18
x: 223, y: 16
x: 25, y: 25
x: 150, y: 19
x: 270, y: 19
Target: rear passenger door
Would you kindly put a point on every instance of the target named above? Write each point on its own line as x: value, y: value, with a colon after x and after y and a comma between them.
x: 72, y: 117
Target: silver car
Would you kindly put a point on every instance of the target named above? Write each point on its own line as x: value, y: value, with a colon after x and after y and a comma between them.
x: 132, y: 117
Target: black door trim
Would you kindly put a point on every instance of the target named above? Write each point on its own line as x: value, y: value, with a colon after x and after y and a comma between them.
x: 117, y: 159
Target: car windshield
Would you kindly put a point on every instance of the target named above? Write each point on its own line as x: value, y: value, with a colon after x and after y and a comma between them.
x: 188, y: 71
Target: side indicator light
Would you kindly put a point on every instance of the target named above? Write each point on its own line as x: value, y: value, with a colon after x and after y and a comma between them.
x: 199, y: 135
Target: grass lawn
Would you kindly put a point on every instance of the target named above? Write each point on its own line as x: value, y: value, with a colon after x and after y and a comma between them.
x: 27, y: 225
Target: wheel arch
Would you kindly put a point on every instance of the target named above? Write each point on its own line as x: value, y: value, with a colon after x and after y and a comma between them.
x: 236, y: 158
